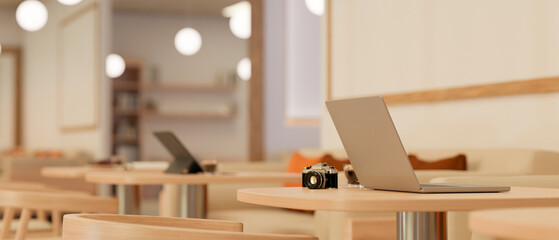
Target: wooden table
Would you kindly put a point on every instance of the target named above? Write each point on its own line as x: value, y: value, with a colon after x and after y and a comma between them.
x: 75, y: 171
x: 523, y: 223
x: 192, y: 195
x: 419, y: 216
x: 79, y: 172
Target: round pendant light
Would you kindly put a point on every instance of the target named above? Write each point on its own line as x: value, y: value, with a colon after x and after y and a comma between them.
x: 69, y: 2
x: 244, y: 69
x: 31, y: 15
x: 315, y: 6
x: 240, y: 23
x: 188, y: 41
x: 114, y: 65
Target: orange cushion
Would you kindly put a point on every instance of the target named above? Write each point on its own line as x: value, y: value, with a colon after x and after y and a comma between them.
x: 337, y: 163
x: 296, y: 165
x: 457, y: 162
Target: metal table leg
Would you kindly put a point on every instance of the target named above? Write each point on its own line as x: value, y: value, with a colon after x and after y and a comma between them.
x: 421, y: 225
x: 169, y: 201
x: 193, y: 201
x: 127, y: 202
x: 183, y: 201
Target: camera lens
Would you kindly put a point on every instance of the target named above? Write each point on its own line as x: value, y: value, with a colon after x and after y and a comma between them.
x: 314, y: 180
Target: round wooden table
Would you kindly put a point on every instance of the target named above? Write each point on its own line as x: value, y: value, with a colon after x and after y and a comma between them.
x: 522, y: 223
x: 79, y: 172
x: 192, y: 195
x: 419, y: 216
x: 75, y: 171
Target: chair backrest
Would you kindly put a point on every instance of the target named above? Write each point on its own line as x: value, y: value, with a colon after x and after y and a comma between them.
x: 121, y: 227
x: 28, y: 169
x: 60, y: 201
x: 509, y: 161
x: 35, y: 187
x: 57, y: 201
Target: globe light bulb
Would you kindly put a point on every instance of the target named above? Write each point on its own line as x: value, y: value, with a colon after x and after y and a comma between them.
x: 114, y: 65
x: 188, y: 41
x: 69, y: 2
x: 31, y: 15
x: 315, y: 6
x: 244, y: 69
x: 240, y: 23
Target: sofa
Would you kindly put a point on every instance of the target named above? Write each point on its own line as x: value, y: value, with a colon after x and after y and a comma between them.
x: 480, y: 163
x: 222, y: 202
x: 458, y: 221
x: 223, y: 205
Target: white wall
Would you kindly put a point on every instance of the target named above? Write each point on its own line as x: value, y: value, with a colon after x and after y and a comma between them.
x: 10, y: 33
x: 279, y: 137
x: 40, y: 107
x: 7, y: 102
x: 302, y: 62
x: 10, y: 36
x: 398, y: 46
x: 150, y: 37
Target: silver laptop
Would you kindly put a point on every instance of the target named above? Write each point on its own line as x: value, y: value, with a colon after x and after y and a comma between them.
x: 376, y: 152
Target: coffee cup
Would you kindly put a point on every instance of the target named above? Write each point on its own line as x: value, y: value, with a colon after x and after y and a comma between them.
x: 209, y: 165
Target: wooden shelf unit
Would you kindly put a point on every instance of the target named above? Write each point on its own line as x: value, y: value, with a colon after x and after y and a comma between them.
x: 187, y: 87
x: 125, y: 140
x: 126, y: 118
x: 136, y: 115
x: 126, y: 113
x: 125, y: 86
x: 178, y: 115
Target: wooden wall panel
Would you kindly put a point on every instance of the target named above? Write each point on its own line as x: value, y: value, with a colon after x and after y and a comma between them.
x: 531, y: 86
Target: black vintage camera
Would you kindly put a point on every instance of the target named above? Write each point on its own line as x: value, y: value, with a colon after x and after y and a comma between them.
x: 320, y: 176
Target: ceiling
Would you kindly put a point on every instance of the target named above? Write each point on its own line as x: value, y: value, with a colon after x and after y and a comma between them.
x: 205, y: 7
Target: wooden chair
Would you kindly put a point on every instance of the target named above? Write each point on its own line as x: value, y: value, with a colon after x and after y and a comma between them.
x: 34, y: 187
x: 56, y: 201
x: 124, y: 227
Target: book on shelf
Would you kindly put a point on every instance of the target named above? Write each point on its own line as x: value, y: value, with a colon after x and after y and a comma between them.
x: 126, y: 101
x: 130, y: 153
x: 126, y: 129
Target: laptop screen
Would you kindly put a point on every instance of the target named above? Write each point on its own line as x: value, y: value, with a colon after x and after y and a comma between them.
x: 184, y: 162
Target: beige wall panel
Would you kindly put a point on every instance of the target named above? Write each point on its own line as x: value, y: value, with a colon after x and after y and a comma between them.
x: 383, y: 47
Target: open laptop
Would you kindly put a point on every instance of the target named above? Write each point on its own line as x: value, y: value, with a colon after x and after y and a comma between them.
x: 376, y: 152
x: 184, y: 162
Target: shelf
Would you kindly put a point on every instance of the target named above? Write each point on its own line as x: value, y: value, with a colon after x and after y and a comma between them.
x: 200, y: 115
x: 186, y: 87
x: 125, y: 140
x: 125, y: 86
x: 126, y: 113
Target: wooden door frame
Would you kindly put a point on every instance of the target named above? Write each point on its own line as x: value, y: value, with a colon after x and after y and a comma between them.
x: 16, y: 52
x: 256, y: 84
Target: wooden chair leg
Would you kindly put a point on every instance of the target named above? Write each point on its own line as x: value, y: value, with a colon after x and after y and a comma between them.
x: 23, y: 222
x: 41, y: 215
x: 6, y: 223
x: 56, y: 223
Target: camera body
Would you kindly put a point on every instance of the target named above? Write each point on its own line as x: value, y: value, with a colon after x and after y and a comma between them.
x: 320, y: 176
